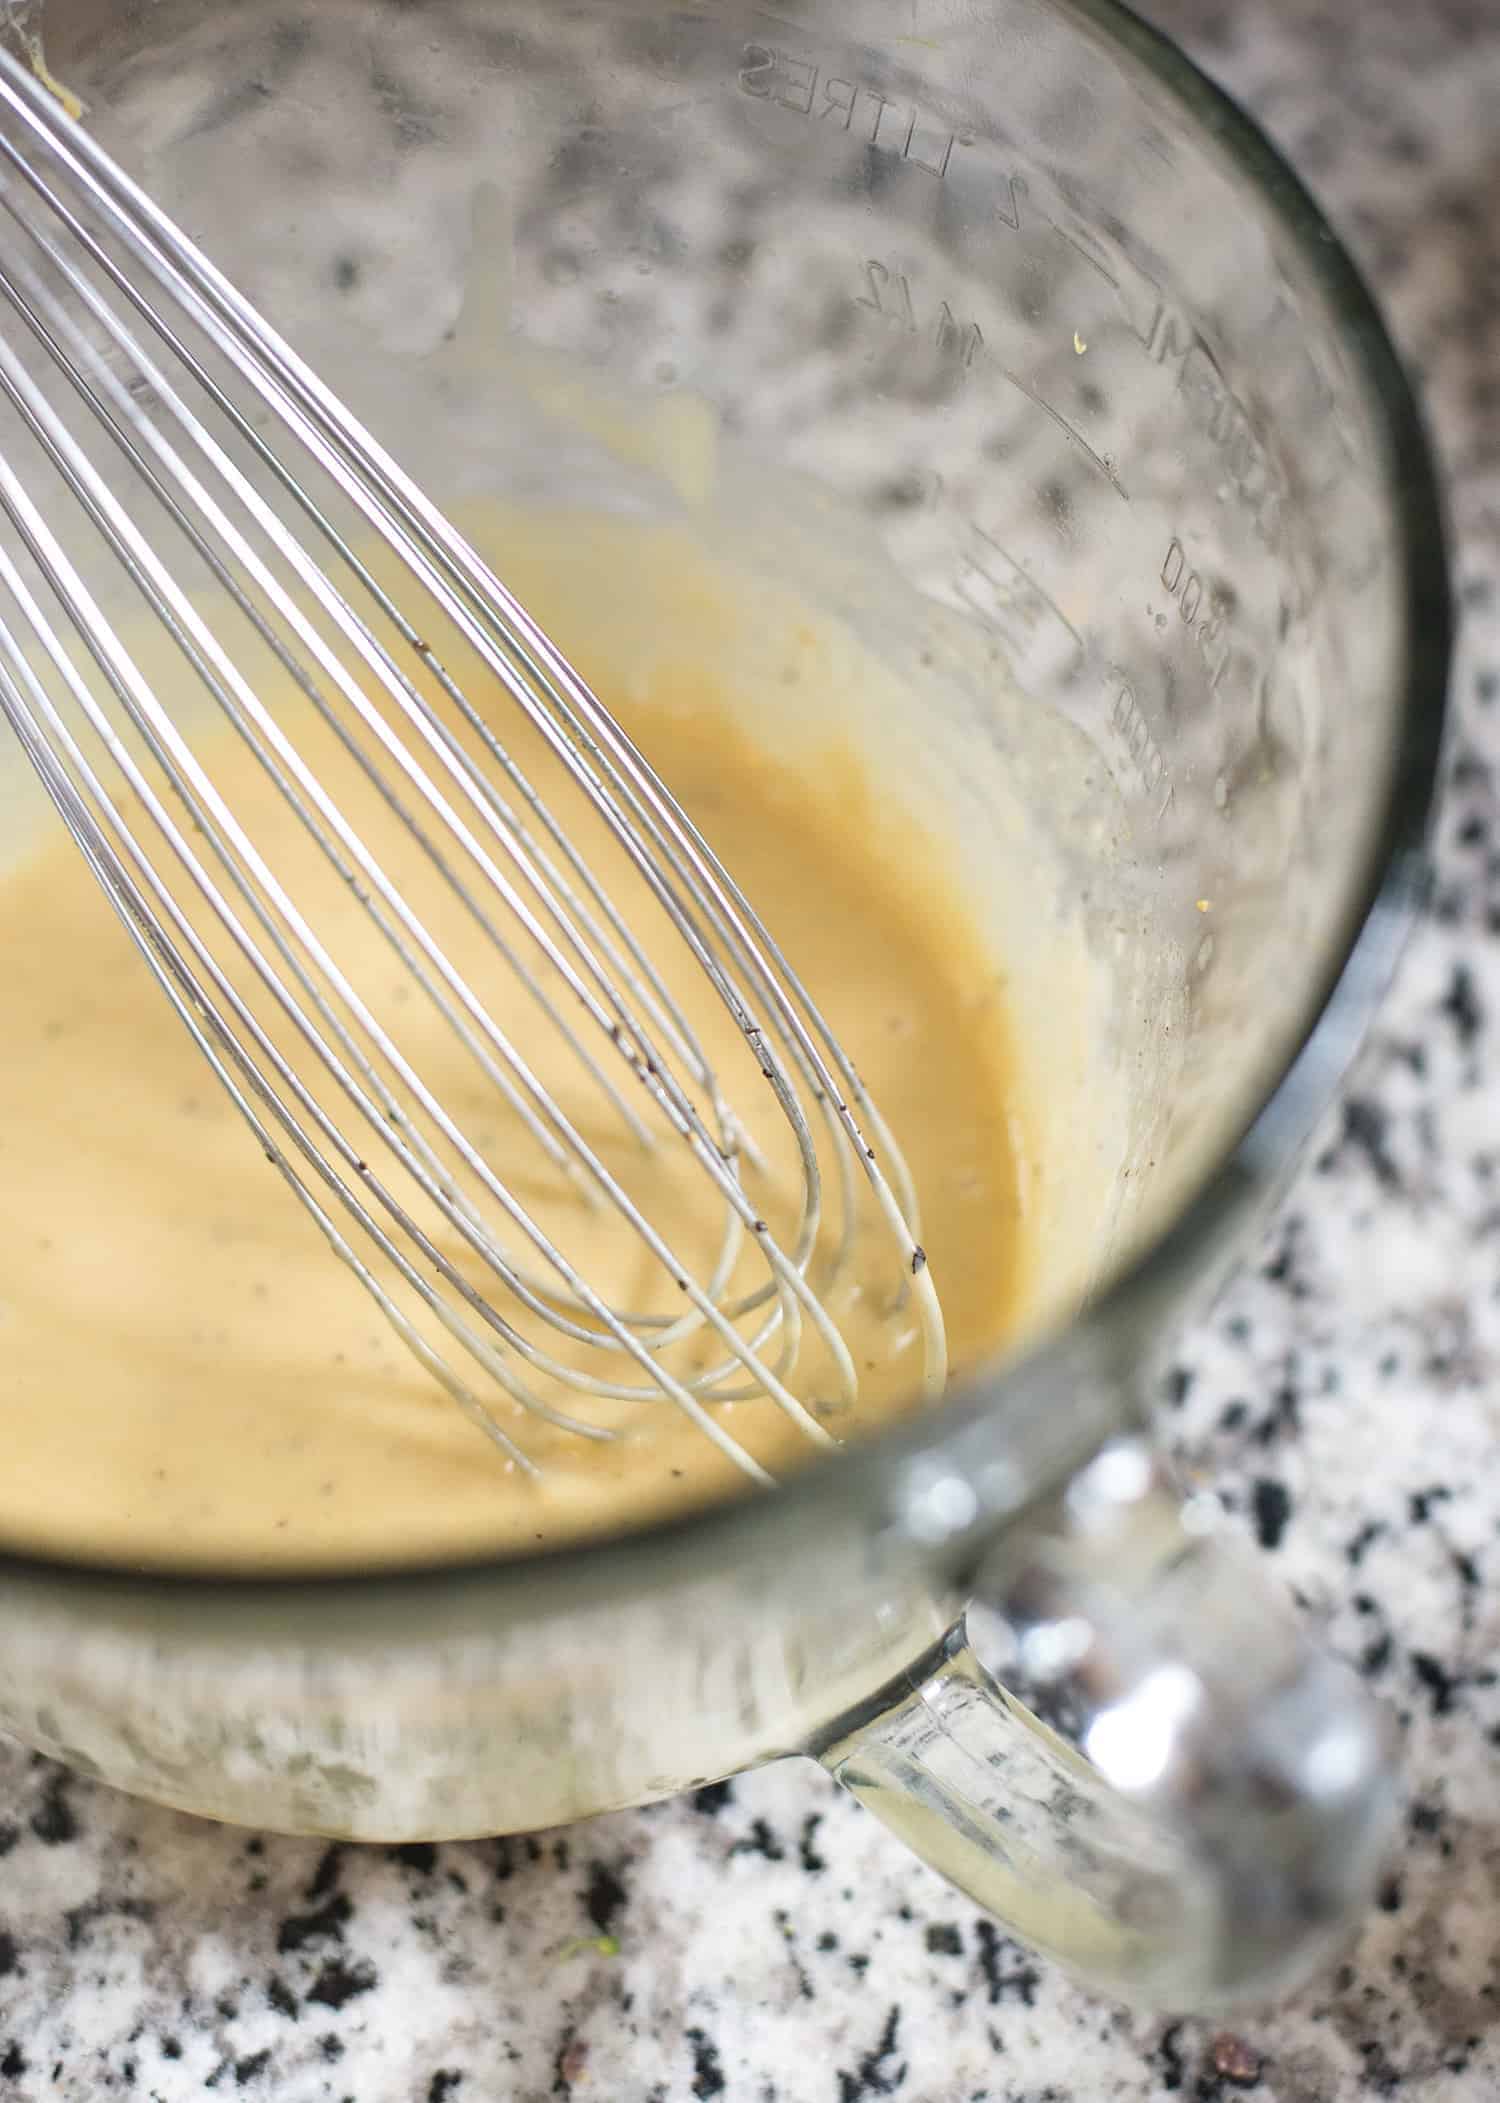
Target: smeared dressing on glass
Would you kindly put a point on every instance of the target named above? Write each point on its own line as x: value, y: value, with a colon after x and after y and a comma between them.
x: 188, y: 1377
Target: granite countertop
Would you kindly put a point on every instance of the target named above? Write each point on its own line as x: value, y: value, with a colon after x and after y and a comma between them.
x: 765, y: 1941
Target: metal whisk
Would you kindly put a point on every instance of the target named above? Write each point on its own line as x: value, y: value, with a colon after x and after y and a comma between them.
x: 256, y: 527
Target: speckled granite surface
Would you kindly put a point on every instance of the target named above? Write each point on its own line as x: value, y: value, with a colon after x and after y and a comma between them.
x: 765, y: 1942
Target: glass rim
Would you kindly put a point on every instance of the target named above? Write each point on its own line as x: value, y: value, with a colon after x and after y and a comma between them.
x: 1338, y: 1005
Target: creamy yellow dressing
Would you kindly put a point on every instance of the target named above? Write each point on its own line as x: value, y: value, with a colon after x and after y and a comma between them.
x: 188, y: 1376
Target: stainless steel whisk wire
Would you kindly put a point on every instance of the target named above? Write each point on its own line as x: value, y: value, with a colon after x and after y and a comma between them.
x: 485, y: 831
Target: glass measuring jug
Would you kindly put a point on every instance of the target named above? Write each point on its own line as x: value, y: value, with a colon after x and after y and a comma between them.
x: 1034, y: 359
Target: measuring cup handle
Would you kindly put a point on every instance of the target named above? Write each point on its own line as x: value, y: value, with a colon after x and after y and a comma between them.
x: 1224, y: 1825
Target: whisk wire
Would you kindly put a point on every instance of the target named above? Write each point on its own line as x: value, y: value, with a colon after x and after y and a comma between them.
x: 214, y: 821
x: 515, y: 869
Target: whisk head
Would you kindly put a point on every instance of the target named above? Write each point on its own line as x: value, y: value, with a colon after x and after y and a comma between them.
x: 530, y: 896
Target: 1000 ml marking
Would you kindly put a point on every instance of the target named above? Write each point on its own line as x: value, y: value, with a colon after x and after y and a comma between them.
x: 1146, y: 755
x: 1199, y: 609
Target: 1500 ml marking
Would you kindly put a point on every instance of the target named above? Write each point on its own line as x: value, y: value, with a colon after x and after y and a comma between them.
x: 1200, y: 610
x: 1146, y: 755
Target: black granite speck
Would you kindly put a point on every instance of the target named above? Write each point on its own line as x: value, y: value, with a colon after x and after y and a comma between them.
x: 79, y: 1920
x: 1463, y: 1007
x: 879, y: 2072
x: 812, y: 1862
x: 1366, y: 1129
x: 760, y: 1840
x: 53, y: 1821
x: 1271, y: 1506
x: 1168, y: 2056
x: 1361, y: 1542
x: 1439, y: 1682
x: 604, y: 1898
x: 326, y: 1875
x: 1007, y: 1969
x: 341, y: 1981
x: 708, y: 2073
x: 299, y: 1929
x: 281, y: 1997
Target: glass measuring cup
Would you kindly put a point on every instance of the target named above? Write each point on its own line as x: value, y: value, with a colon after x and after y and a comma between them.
x: 1068, y: 380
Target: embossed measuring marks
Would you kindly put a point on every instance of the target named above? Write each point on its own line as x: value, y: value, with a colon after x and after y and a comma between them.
x: 827, y: 95
x: 1074, y: 436
x: 1169, y: 340
x: 803, y: 82
x: 807, y: 87
x: 889, y: 294
x: 1203, y: 611
x: 1042, y: 641
x: 1044, y: 646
